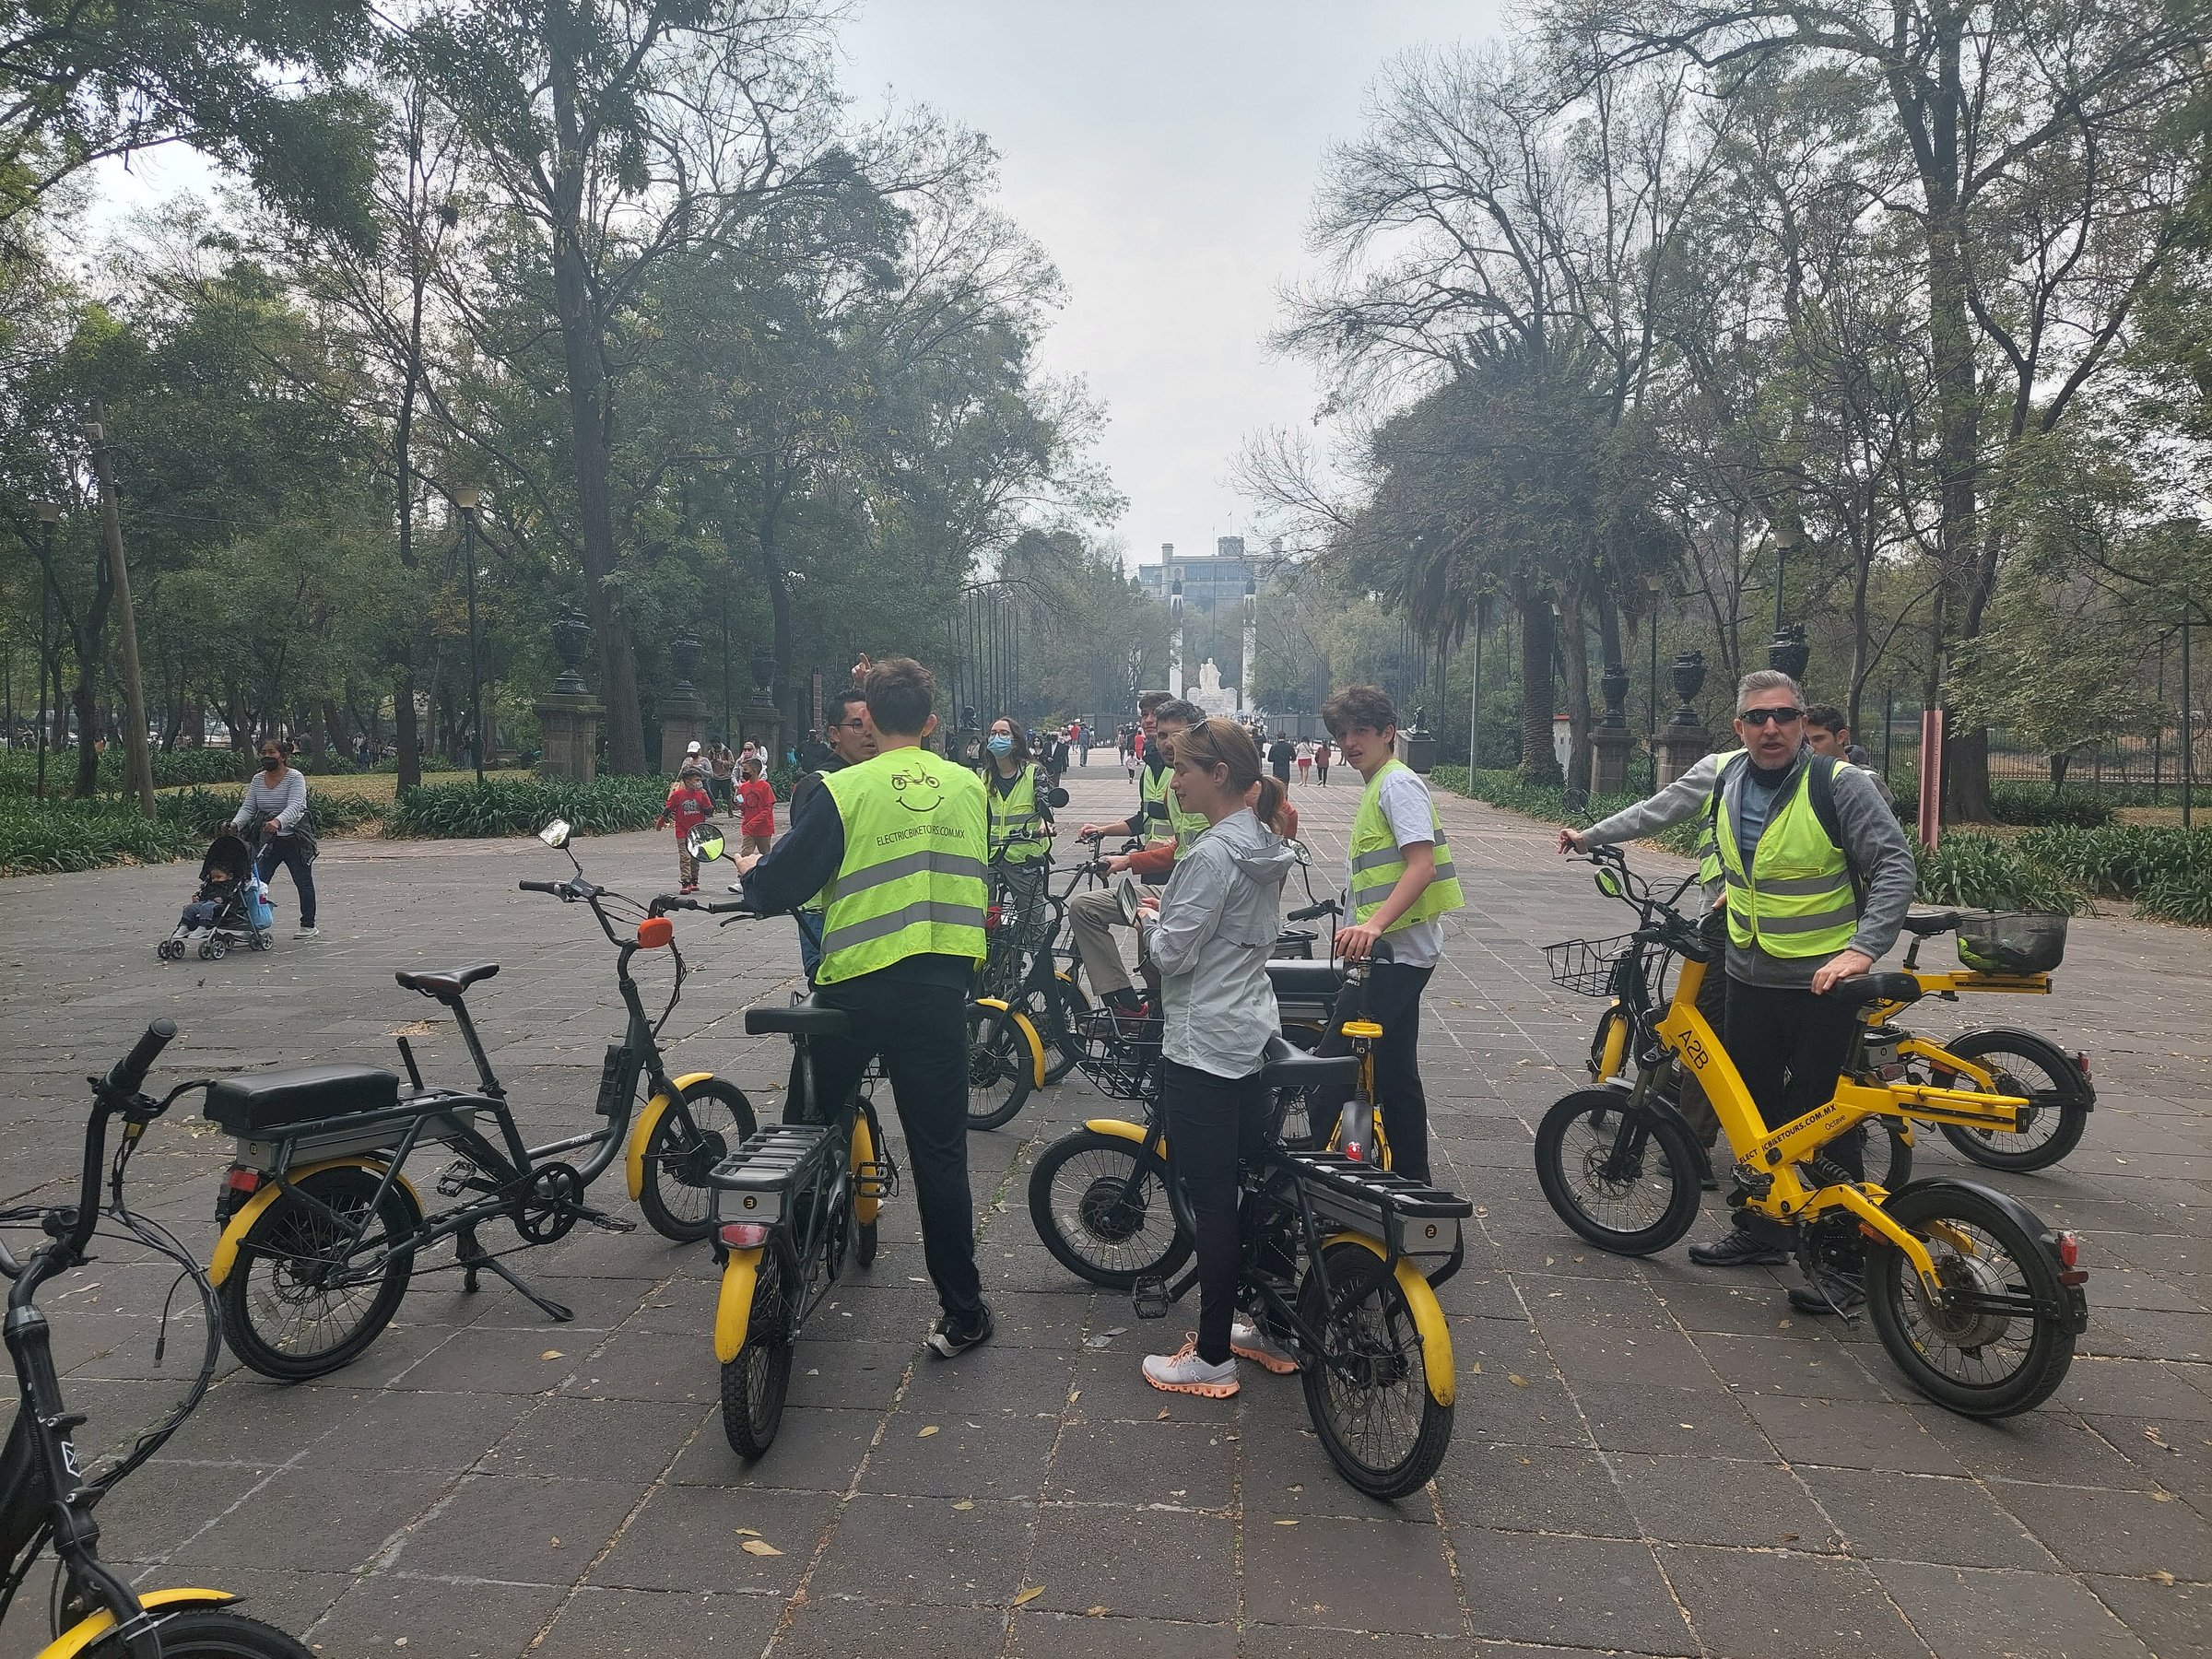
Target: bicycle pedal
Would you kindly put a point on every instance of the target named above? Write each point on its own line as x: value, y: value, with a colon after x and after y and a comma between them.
x: 453, y: 1180
x: 1148, y: 1297
x: 876, y: 1179
x: 607, y: 1223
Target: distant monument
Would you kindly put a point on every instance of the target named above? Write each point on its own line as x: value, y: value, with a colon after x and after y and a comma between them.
x: 1209, y: 693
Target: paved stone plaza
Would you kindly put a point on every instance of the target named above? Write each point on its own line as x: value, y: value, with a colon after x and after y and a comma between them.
x: 1648, y: 1458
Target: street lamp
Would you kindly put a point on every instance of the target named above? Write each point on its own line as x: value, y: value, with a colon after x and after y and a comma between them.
x: 466, y: 500
x: 49, y: 514
x: 1657, y: 588
x: 1785, y: 539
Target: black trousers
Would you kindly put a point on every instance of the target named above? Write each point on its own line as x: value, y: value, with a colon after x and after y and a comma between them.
x: 1789, y: 1046
x: 287, y: 851
x: 1393, y: 1002
x: 1213, y: 1123
x: 922, y: 1032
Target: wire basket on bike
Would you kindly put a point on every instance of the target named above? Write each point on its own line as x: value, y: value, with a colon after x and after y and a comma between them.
x: 1586, y: 965
x: 1120, y: 1052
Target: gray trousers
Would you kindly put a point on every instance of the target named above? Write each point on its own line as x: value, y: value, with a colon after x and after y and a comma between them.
x: 1091, y: 919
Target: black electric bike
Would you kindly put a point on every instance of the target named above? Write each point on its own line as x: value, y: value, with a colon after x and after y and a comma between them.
x: 47, y: 1496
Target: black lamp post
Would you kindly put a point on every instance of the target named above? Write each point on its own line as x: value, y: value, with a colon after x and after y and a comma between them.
x: 1785, y: 540
x: 1651, y: 713
x: 466, y: 500
x: 49, y: 514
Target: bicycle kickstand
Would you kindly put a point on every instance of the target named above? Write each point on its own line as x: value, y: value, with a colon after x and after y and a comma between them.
x: 475, y: 1258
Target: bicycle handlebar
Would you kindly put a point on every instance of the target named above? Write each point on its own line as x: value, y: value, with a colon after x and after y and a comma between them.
x: 1325, y: 907
x: 558, y: 888
x: 131, y: 1071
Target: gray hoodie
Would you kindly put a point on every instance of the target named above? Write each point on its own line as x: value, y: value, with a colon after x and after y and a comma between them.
x: 1217, y: 922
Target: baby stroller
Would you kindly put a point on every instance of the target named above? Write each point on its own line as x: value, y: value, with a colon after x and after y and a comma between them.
x: 232, y: 907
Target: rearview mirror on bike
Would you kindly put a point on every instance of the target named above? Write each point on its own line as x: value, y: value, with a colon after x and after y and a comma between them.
x: 705, y: 841
x: 1055, y: 797
x: 555, y: 834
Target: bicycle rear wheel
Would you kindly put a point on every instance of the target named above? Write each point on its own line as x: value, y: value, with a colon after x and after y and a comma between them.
x: 2058, y: 1110
x: 1366, y: 1386
x: 694, y: 1133
x: 210, y: 1633
x: 754, y: 1382
x: 288, y: 1309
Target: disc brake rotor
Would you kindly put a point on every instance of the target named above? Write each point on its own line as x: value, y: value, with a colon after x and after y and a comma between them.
x: 1964, y: 1327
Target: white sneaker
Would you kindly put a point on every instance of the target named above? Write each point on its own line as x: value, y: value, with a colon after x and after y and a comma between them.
x: 1247, y: 1341
x: 308, y: 933
x: 1184, y: 1372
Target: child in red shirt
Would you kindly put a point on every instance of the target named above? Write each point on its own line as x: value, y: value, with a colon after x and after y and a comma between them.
x: 756, y: 809
x: 689, y: 804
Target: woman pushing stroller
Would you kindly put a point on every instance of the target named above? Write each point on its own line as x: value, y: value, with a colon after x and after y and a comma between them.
x: 276, y: 800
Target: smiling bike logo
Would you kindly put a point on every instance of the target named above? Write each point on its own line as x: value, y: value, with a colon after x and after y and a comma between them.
x: 917, y: 789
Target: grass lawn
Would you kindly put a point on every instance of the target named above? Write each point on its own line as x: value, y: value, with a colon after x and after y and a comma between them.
x: 382, y: 786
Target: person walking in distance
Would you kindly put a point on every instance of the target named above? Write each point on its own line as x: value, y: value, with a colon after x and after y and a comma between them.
x: 1305, y: 761
x: 1818, y: 877
x: 1280, y: 754
x: 1209, y: 938
x: 897, y: 843
x: 722, y: 775
x: 1401, y: 883
x: 688, y: 806
x: 1321, y: 761
x: 756, y: 809
x: 276, y: 802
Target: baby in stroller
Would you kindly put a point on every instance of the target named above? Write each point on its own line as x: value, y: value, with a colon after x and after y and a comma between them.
x: 231, y: 907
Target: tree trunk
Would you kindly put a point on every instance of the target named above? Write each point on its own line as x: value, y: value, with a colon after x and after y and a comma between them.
x: 88, y: 729
x: 1538, y: 764
x: 1574, y: 671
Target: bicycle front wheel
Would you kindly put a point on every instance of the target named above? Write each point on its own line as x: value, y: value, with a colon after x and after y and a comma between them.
x: 1367, y: 1387
x: 711, y: 1121
x: 1099, y: 1203
x: 293, y: 1307
x: 1002, y: 1066
x: 1625, y: 1178
x: 210, y: 1633
x: 2040, y: 1072
x: 754, y: 1383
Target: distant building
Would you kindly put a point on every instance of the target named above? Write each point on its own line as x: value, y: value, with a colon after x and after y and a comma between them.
x: 1210, y: 582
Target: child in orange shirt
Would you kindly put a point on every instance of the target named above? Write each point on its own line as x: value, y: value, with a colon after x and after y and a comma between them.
x: 689, y: 804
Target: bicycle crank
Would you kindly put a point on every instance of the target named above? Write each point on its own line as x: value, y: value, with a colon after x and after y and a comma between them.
x: 552, y: 1203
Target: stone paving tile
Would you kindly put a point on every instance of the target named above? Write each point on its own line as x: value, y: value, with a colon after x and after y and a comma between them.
x: 1650, y: 1457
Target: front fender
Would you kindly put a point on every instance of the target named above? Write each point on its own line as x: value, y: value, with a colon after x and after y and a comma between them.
x: 243, y: 1218
x: 734, y: 1304
x: 1428, y: 1318
x: 633, y: 1161
x: 1122, y: 1130
x: 85, y: 1632
x: 1029, y: 1035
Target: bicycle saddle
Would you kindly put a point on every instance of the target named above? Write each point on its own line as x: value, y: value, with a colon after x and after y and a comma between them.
x: 1283, y: 1066
x: 1928, y: 923
x: 806, y: 1018
x: 1862, y: 988
x: 447, y: 987
x: 1305, y: 981
x: 254, y: 1103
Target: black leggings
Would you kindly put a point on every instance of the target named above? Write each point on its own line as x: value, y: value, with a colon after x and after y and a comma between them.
x: 1393, y: 1002
x: 1789, y: 1046
x: 287, y: 851
x: 1213, y: 1124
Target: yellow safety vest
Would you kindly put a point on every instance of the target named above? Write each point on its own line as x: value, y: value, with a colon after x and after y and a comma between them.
x: 1797, y: 899
x: 1014, y: 818
x: 1377, y: 861
x: 913, y: 879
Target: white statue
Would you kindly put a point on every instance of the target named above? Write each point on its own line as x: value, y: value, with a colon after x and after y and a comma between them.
x: 1209, y: 693
x: 1209, y: 679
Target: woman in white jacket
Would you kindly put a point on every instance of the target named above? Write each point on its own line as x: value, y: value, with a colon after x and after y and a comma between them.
x: 1215, y: 923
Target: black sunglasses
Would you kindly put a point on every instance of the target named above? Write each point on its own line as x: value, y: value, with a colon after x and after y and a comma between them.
x: 1759, y: 717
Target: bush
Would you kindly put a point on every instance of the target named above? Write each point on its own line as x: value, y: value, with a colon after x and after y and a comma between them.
x: 39, y: 837
x: 524, y: 806
x: 179, y: 768
x: 1980, y: 872
x: 2167, y: 871
x: 2038, y: 803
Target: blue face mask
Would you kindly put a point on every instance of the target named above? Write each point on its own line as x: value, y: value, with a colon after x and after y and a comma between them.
x: 1000, y: 745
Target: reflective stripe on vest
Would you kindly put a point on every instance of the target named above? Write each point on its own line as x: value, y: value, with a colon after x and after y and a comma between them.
x: 1378, y: 861
x: 1014, y: 815
x: 913, y: 879
x: 1796, y: 899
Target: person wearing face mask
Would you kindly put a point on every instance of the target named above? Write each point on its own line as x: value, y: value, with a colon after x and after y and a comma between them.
x: 277, y: 803
x: 1021, y: 815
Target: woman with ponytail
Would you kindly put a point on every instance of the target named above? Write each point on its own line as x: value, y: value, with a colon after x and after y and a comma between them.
x: 1217, y: 920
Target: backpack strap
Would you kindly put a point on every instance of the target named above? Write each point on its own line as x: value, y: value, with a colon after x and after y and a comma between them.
x: 1820, y: 785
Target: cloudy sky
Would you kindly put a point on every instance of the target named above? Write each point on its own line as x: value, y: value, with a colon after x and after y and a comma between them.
x: 1165, y: 155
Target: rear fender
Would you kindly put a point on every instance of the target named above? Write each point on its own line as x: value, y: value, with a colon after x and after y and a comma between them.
x: 1428, y: 1319
x: 243, y: 1218
x: 633, y: 1162
x: 2079, y: 1090
x: 1029, y: 1035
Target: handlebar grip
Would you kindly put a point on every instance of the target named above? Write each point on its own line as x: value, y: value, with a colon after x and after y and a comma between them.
x: 1310, y: 912
x: 1381, y: 951
x: 725, y: 908
x: 127, y: 1075
x: 669, y: 902
x: 539, y: 886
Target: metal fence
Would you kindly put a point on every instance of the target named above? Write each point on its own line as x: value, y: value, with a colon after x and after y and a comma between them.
x: 2150, y: 766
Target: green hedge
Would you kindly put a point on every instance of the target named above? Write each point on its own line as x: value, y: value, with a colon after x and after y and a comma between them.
x: 2167, y: 871
x: 19, y: 770
x: 2038, y: 804
x: 524, y: 806
x: 39, y: 837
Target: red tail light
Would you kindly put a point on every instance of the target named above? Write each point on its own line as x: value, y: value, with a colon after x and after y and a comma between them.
x: 2082, y: 1064
x: 744, y: 1235
x: 2068, y: 1250
x: 991, y: 917
x: 243, y: 1180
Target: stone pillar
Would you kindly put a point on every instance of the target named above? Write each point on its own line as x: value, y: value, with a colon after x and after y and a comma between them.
x: 1681, y: 748
x: 758, y: 718
x: 569, y: 721
x: 683, y: 722
x: 1609, y: 764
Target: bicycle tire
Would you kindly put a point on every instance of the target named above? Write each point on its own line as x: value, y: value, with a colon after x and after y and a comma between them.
x: 754, y: 1383
x: 1894, y: 1297
x: 682, y: 1150
x: 210, y: 1633
x: 2048, y: 1079
x: 1064, y: 1048
x: 291, y: 1236
x: 1093, y: 1237
x: 1628, y: 1140
x: 1001, y: 1068
x: 1336, y: 1393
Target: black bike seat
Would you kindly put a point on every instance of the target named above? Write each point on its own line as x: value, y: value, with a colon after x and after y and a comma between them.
x: 1306, y: 981
x: 1862, y: 988
x: 1283, y: 1066
x: 806, y: 1018
x: 1927, y: 924
x: 447, y: 986
x: 254, y: 1103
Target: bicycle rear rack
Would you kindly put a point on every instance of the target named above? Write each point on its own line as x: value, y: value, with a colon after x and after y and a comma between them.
x: 1411, y: 1217
x: 754, y: 1183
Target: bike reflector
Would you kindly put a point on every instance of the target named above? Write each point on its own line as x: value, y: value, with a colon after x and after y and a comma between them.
x: 744, y: 1235
x: 655, y: 932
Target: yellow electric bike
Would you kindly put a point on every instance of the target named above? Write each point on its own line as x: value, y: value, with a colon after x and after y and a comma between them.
x: 1977, y: 1303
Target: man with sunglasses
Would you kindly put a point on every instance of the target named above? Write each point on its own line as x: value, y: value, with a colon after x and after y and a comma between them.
x: 850, y: 741
x: 1818, y: 877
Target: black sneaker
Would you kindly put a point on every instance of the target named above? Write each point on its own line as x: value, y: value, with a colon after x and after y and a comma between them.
x: 1827, y: 1293
x: 1737, y: 1249
x: 949, y: 1337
